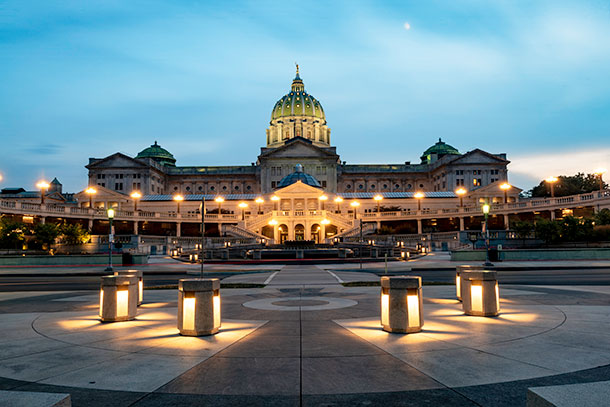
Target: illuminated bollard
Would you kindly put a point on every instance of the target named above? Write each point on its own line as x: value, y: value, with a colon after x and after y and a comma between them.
x: 401, y: 304
x: 480, y: 293
x: 139, y: 275
x: 118, y: 298
x: 198, y: 306
x: 458, y: 279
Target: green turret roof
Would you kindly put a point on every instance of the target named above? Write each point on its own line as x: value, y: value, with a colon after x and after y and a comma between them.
x: 440, y: 149
x: 298, y: 103
x: 159, y: 154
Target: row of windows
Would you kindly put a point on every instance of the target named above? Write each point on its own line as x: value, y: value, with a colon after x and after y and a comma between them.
x: 276, y: 171
x: 120, y: 176
x: 213, y: 188
x: 384, y: 186
x: 476, y: 172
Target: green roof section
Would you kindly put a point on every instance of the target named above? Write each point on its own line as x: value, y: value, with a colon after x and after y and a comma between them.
x: 159, y: 154
x: 439, y: 149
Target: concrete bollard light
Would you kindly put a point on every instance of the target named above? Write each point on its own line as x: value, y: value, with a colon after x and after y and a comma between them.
x: 198, y: 306
x: 139, y: 275
x: 401, y: 304
x: 118, y: 298
x: 480, y: 293
x: 458, y: 278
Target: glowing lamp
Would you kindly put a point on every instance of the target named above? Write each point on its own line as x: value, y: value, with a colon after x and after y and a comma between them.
x: 458, y: 278
x: 325, y: 222
x: 137, y: 274
x: 199, y: 306
x: 118, y: 298
x: 401, y: 304
x: 480, y: 293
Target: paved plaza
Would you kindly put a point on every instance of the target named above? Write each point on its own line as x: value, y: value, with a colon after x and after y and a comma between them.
x: 306, y: 339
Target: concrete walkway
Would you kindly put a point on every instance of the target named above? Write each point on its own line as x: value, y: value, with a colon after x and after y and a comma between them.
x: 305, y: 340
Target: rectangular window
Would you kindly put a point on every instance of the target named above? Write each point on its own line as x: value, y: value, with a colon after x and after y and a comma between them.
x: 273, y: 184
x: 323, y: 184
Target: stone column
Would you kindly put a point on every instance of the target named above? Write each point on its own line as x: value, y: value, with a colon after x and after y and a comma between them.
x: 135, y: 227
x: 419, y: 227
x: 178, y: 231
x: 552, y: 215
x: 461, y: 224
x: 506, y: 222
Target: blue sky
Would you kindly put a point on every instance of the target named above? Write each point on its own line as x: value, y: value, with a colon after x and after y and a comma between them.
x: 86, y: 79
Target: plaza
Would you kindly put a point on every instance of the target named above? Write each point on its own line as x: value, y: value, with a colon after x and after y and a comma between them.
x: 308, y: 335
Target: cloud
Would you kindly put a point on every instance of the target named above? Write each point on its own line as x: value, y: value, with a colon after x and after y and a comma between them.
x: 44, y: 149
x: 528, y: 170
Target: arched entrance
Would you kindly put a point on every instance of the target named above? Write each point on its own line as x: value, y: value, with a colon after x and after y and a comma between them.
x: 283, y: 230
x: 299, y: 232
x: 315, y: 233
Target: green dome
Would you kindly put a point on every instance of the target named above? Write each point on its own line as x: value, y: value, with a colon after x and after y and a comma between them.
x: 159, y: 154
x: 298, y: 103
x: 439, y: 149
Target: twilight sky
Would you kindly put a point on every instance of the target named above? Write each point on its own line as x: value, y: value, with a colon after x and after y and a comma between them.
x: 83, y: 79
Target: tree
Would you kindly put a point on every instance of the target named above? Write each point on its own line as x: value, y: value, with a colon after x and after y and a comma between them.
x: 74, y: 234
x: 574, y: 229
x: 602, y: 217
x: 523, y: 229
x: 46, y: 233
x: 547, y: 230
x: 568, y: 185
x: 12, y: 234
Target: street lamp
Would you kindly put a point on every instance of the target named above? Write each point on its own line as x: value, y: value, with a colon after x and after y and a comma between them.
x: 219, y: 200
x: 243, y: 207
x: 259, y: 201
x: 338, y: 201
x: 378, y: 198
x: 91, y: 191
x: 486, y: 213
x: 135, y: 195
x: 355, y: 205
x: 43, y: 186
x: 322, y: 199
x: 600, y: 172
x: 418, y: 196
x: 110, y: 214
x: 551, y: 181
x: 178, y: 198
x: 460, y: 192
x: 505, y: 187
x: 275, y: 200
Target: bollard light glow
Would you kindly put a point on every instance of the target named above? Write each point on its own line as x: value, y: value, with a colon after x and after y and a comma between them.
x: 458, y: 288
x: 101, y: 301
x: 140, y: 291
x: 216, y: 304
x: 385, y: 309
x: 122, y: 303
x: 497, y: 297
x: 413, y: 310
x: 476, y: 297
x: 188, y: 313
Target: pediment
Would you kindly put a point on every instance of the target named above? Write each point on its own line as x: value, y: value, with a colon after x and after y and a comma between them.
x: 117, y: 160
x: 298, y: 149
x: 300, y: 189
x: 478, y: 157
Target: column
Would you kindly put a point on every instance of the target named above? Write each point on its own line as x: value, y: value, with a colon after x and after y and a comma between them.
x: 178, y: 224
x: 552, y: 215
x: 461, y: 224
x: 322, y: 233
x: 506, y: 222
x: 419, y: 227
x: 135, y: 227
x: 276, y: 235
x: 90, y: 224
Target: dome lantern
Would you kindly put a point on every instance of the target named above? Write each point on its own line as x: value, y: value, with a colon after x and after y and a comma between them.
x: 159, y: 154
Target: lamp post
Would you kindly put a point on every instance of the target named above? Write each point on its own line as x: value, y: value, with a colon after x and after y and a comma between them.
x: 355, y: 205
x: 276, y: 200
x: 338, y: 201
x: 378, y: 198
x: 600, y: 172
x: 43, y: 186
x: 178, y: 198
x: 91, y: 191
x: 202, y: 231
x: 460, y: 192
x: 551, y: 181
x: 219, y: 200
x: 486, y: 213
x: 419, y: 196
x: 505, y: 187
x: 110, y: 214
x: 322, y: 199
x: 135, y: 195
x: 259, y: 201
x: 243, y: 207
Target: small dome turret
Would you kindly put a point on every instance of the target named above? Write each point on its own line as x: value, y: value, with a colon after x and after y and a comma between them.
x: 159, y: 154
x: 299, y: 175
x: 438, y: 150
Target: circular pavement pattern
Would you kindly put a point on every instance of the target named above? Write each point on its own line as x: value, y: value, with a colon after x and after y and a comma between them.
x: 300, y: 303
